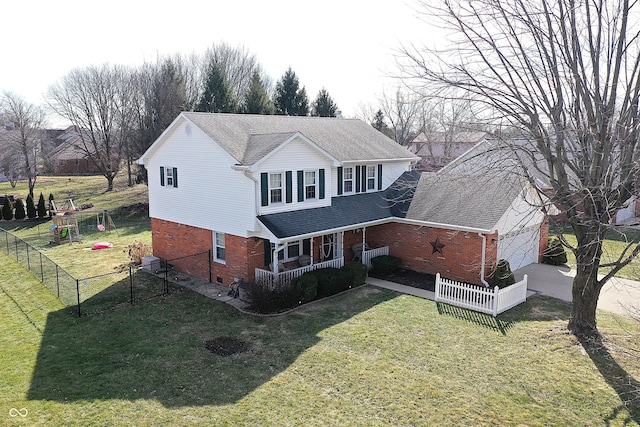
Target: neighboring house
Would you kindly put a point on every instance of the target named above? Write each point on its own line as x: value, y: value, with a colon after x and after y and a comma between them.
x: 69, y: 156
x: 436, y: 149
x: 307, y: 190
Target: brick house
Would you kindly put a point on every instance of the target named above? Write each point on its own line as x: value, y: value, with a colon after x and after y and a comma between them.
x: 70, y: 156
x: 309, y: 191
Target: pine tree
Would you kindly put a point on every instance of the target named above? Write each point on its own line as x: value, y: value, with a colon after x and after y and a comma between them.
x: 31, y: 207
x: 380, y: 124
x: 256, y: 100
x: 217, y: 96
x: 7, y: 209
x: 324, y: 106
x: 289, y: 99
x: 19, y: 208
x: 42, y: 208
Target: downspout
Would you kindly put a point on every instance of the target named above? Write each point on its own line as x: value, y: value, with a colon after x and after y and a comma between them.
x: 483, y: 261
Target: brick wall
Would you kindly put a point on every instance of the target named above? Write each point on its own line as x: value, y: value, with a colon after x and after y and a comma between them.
x: 544, y: 238
x: 172, y: 240
x: 460, y: 258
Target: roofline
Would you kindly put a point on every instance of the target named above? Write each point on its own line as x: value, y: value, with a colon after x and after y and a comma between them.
x: 380, y: 222
x: 153, y: 147
x: 395, y: 159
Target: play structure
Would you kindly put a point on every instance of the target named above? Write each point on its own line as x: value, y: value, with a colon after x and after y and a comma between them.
x: 65, y: 222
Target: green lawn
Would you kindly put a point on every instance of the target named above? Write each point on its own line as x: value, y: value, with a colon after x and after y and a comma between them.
x: 366, y: 357
x: 616, y: 241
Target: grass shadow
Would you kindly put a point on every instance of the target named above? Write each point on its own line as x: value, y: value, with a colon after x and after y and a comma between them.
x: 625, y: 385
x: 552, y: 309
x: 158, y: 349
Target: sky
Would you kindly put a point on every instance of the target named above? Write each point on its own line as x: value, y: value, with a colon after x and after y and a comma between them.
x: 345, y: 46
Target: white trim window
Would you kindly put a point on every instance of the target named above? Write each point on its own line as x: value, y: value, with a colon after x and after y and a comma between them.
x: 275, y: 188
x: 169, y: 176
x: 371, y: 177
x: 219, y: 249
x: 347, y: 180
x: 290, y: 252
x: 310, y: 185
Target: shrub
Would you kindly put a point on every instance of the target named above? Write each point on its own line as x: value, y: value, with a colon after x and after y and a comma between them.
x: 503, y: 276
x: 358, y: 273
x: 331, y: 281
x: 42, y: 208
x: 137, y: 251
x: 555, y: 253
x: 308, y: 286
x: 7, y: 209
x: 385, y: 265
x: 31, y: 207
x: 265, y: 300
x: 19, y: 209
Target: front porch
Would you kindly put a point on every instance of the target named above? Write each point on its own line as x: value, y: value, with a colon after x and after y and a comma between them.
x: 277, y: 279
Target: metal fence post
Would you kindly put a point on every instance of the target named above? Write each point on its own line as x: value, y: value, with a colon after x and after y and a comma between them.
x: 15, y: 239
x: 26, y: 245
x: 131, y: 283
x: 210, y: 272
x: 57, y: 280
x: 78, y: 293
x: 6, y: 237
x: 41, y: 268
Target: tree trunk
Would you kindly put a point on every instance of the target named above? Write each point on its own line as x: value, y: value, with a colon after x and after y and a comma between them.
x: 110, y: 182
x: 585, y: 293
x: 586, y: 287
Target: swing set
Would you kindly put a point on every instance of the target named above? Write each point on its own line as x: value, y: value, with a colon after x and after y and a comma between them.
x: 65, y: 224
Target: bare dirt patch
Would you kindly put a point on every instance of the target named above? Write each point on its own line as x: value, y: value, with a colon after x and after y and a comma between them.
x: 226, y: 346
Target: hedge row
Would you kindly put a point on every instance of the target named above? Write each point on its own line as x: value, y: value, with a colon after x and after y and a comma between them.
x: 310, y: 286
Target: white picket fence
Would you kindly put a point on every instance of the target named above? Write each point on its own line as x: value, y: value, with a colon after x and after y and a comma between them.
x: 485, y: 300
x: 269, y: 280
x: 367, y: 256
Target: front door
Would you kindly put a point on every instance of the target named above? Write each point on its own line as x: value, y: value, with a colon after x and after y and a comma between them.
x: 331, y: 246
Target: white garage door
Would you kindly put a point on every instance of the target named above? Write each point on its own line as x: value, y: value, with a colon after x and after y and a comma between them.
x: 520, y: 247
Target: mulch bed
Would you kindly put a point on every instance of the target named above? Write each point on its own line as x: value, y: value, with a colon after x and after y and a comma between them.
x: 411, y: 278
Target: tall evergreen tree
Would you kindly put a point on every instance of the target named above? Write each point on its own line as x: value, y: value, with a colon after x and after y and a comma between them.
x: 289, y: 99
x: 7, y: 208
x: 42, y: 209
x: 19, y: 209
x: 324, y: 106
x: 31, y: 207
x: 256, y: 100
x: 380, y: 124
x: 217, y: 96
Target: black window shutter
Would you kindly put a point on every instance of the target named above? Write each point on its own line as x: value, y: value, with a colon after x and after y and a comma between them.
x: 264, y: 189
x: 267, y: 252
x: 357, y: 179
x: 162, y: 175
x: 379, y: 177
x: 306, y: 246
x: 175, y: 177
x: 321, y: 183
x: 289, y: 186
x: 301, y: 186
x: 363, y: 181
x: 340, y: 177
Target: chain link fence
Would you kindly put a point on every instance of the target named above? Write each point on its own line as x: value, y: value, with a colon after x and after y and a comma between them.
x: 89, y: 295
x: 196, y: 265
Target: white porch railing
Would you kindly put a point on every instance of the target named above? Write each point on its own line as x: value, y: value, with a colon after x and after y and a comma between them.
x: 367, y: 256
x: 485, y: 300
x: 269, y: 280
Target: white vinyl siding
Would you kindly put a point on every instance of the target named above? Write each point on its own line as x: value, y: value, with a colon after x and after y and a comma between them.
x: 206, y: 180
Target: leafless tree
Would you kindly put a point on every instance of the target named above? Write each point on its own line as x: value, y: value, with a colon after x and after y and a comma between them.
x: 239, y: 65
x: 96, y: 100
x: 23, y: 138
x: 403, y: 109
x: 567, y: 73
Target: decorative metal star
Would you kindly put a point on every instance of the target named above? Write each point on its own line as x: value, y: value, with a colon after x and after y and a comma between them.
x: 437, y: 246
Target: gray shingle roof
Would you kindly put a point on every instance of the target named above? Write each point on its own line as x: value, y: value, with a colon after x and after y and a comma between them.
x: 346, y: 210
x: 243, y: 136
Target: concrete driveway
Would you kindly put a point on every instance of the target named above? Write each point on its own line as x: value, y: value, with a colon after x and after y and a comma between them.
x: 621, y: 296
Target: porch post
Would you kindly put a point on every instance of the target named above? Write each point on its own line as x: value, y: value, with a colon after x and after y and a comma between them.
x: 311, y: 250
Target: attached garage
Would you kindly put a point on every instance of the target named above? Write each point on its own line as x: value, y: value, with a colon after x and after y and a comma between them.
x: 520, y: 247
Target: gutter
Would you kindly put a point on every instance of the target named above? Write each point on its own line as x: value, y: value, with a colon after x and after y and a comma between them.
x: 483, y: 261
